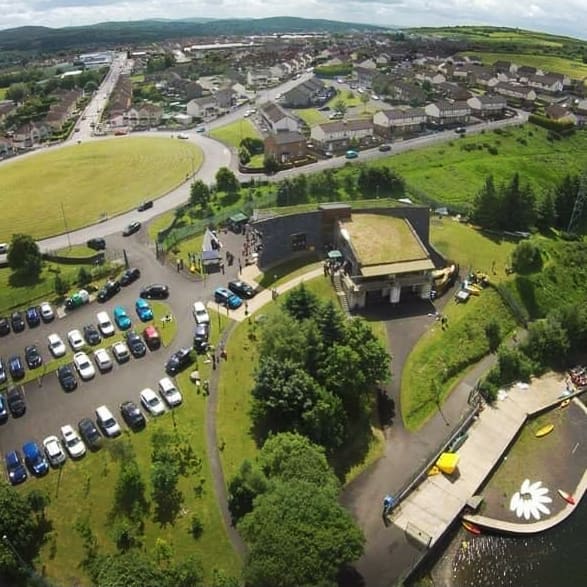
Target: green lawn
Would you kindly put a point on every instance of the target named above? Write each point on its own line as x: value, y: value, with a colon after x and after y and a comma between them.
x: 85, y: 490
x: 3, y: 93
x: 289, y: 270
x: 159, y: 223
x: 453, y: 176
x: 43, y: 194
x: 311, y: 116
x: 441, y: 357
x: 232, y: 134
x: 79, y: 251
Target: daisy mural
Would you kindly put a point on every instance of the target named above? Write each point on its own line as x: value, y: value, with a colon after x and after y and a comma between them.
x: 530, y: 500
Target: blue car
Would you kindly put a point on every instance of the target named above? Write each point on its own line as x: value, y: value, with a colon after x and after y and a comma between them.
x: 35, y: 459
x: 33, y: 317
x: 3, y: 409
x: 15, y: 467
x: 227, y: 298
x: 16, y: 367
x: 121, y: 318
x: 144, y: 310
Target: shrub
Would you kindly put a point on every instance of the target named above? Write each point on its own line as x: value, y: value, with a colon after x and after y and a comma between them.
x: 526, y: 258
x: 196, y: 527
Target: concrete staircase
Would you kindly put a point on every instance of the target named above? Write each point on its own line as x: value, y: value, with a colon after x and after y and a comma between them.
x: 344, y: 303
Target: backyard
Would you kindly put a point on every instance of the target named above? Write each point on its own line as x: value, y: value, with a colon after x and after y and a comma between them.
x: 232, y: 134
x: 54, y: 182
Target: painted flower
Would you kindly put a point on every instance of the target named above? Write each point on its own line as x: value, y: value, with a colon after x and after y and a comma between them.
x: 530, y: 500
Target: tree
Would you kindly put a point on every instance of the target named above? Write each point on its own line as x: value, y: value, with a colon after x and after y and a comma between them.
x: 298, y: 535
x: 186, y: 573
x: 129, y: 492
x: 60, y: 285
x: 547, y: 343
x: 340, y: 106
x: 526, y: 257
x: 364, y: 100
x: 564, y: 198
x: 486, y: 206
x: 131, y: 569
x: 518, y: 206
x: 301, y: 303
x: 546, y: 212
x: 199, y: 194
x: 331, y: 322
x: 38, y: 500
x: 226, y: 181
x: 24, y: 256
x: 244, y: 487
x: 243, y: 155
x: 282, y: 338
x: 17, y: 92
x: 270, y: 164
x: 84, y: 277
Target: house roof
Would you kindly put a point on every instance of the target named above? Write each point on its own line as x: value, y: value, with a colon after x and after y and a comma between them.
x: 341, y: 125
x: 378, y: 240
x: 273, y: 112
x: 490, y: 100
x: 447, y: 107
x: 287, y: 138
x: 556, y: 112
x: 395, y: 268
x: 399, y: 114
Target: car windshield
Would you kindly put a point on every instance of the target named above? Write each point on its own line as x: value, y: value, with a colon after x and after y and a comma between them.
x: 153, y: 401
x: 109, y: 423
x: 71, y: 440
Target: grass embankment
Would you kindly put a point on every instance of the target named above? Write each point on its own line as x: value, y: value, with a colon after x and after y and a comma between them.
x: 232, y: 134
x: 79, y: 251
x: 440, y: 358
x: 84, y: 490
x: 43, y: 194
x: 452, y: 175
x: 234, y: 425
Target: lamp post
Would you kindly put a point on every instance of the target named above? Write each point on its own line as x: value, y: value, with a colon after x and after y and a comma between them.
x: 15, y: 552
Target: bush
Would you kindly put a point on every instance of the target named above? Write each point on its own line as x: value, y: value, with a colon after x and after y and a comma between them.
x: 196, y: 527
x: 526, y: 258
x: 61, y: 285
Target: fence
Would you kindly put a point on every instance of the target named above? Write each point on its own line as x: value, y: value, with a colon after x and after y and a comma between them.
x: 519, y: 312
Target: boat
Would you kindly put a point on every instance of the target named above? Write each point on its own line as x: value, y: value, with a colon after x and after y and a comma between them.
x: 566, y: 496
x: 470, y: 527
x: 565, y: 403
x: 544, y: 430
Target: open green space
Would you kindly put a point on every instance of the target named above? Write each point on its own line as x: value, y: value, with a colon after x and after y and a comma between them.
x: 311, y: 116
x: 79, y: 251
x: 3, y: 93
x: 441, y: 357
x: 288, y: 270
x: 453, y: 173
x: 67, y: 188
x: 232, y: 134
x: 84, y: 490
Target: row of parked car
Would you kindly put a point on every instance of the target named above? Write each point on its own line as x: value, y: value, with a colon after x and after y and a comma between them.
x: 54, y: 450
x: 33, y: 316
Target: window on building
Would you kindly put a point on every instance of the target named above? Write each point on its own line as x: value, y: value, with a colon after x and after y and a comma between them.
x: 298, y: 241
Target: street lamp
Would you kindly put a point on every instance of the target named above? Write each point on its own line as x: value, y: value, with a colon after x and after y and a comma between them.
x: 15, y: 552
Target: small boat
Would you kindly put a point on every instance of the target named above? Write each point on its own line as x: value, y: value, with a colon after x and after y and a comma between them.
x: 566, y: 496
x: 565, y: 403
x: 470, y: 527
x: 544, y: 430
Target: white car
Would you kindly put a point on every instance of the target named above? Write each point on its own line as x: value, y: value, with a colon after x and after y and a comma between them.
x: 151, y: 402
x: 84, y: 366
x: 169, y: 392
x: 182, y: 135
x: 54, y: 451
x: 200, y: 313
x: 56, y: 345
x: 47, y: 313
x: 76, y: 340
x: 103, y: 360
x: 107, y: 422
x: 105, y: 324
x: 73, y: 443
x: 121, y: 352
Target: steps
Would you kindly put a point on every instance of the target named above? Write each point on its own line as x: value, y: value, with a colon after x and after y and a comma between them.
x: 344, y: 303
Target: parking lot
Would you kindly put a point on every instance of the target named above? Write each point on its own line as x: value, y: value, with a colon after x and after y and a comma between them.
x: 49, y: 407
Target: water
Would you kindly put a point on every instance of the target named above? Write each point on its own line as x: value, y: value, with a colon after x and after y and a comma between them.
x: 556, y: 558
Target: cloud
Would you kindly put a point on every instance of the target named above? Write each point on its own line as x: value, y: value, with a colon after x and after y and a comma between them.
x: 567, y: 17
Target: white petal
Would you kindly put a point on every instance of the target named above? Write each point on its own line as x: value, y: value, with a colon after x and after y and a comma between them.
x: 514, y: 501
x: 525, y: 485
x: 520, y: 508
x: 541, y: 491
x: 527, y: 510
x: 534, y: 486
x: 544, y: 499
x: 543, y: 509
x: 534, y: 511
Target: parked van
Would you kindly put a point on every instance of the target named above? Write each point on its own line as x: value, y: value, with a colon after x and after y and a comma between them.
x: 200, y: 313
x: 105, y: 324
x: 107, y: 422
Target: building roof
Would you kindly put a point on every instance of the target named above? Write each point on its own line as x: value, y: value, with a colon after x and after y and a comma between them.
x: 287, y: 138
x: 399, y: 114
x: 273, y: 112
x: 341, y: 125
x: 397, y: 268
x: 378, y: 240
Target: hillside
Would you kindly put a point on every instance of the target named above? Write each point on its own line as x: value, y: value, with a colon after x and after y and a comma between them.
x: 45, y: 39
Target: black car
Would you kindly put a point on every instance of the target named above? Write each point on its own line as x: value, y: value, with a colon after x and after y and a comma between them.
x: 135, y: 344
x: 17, y: 321
x: 384, y: 148
x: 16, y: 367
x: 145, y: 205
x: 4, y: 326
x: 178, y: 361
x: 131, y: 228
x: 242, y: 289
x: 129, y: 276
x: 155, y: 291
x: 15, y: 400
x: 32, y: 356
x: 33, y: 317
x: 201, y: 336
x: 90, y: 433
x: 91, y: 335
x: 3, y: 375
x: 132, y: 415
x: 67, y: 378
x: 98, y: 244
x: 110, y: 289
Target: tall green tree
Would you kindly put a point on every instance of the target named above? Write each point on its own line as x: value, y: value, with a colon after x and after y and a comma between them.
x: 340, y: 106
x: 298, y: 535
x: 518, y: 206
x: 547, y: 343
x: 17, y: 92
x: 564, y: 198
x: 331, y: 322
x: 24, y: 256
x: 199, y: 194
x: 546, y: 212
x: 486, y: 205
x: 244, y: 487
x: 301, y: 303
x: 226, y: 181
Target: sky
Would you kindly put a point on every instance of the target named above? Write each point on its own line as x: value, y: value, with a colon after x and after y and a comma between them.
x: 566, y: 17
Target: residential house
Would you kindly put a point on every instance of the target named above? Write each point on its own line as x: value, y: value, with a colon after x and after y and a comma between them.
x: 120, y: 100
x: 5, y: 147
x: 6, y: 107
x: 276, y: 118
x: 432, y: 77
x: 285, y: 146
x: 304, y: 94
x: 30, y: 134
x: 547, y: 83
x: 486, y: 79
x: 525, y: 72
x: 515, y: 91
x: 399, y: 121
x: 406, y: 92
x: 340, y: 134
x: 259, y: 78
x: 506, y: 67
x: 444, y: 113
x: 560, y: 114
x: 143, y: 116
x: 452, y: 91
x: 487, y: 106
x: 203, y: 107
x: 224, y: 99
x: 581, y: 107
x: 192, y: 90
x: 365, y: 76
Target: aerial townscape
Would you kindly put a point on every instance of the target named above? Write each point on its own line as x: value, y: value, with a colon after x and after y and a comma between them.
x: 291, y: 302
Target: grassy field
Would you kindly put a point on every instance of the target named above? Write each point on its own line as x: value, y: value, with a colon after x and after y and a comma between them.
x: 441, y: 357
x: 453, y: 176
x: 84, y: 490
x: 79, y: 251
x: 289, y: 270
x: 311, y: 116
x: 550, y: 63
x: 232, y: 134
x: 3, y: 93
x: 41, y: 195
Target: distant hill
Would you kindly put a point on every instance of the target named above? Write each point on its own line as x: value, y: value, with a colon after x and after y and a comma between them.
x: 44, y: 39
